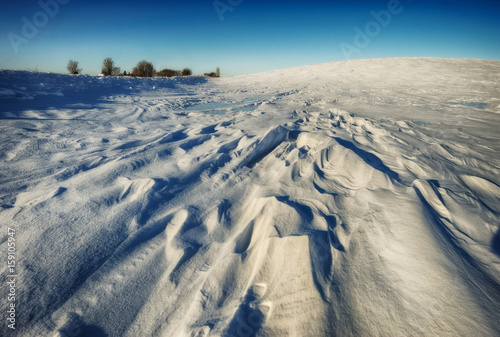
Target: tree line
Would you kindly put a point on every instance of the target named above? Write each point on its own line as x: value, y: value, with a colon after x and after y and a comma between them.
x: 142, y: 69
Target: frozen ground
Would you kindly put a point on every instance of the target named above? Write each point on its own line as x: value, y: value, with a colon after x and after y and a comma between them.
x: 357, y: 198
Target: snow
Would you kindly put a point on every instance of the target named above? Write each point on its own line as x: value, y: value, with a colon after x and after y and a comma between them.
x: 356, y: 198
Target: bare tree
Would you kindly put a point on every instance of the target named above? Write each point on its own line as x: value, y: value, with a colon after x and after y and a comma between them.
x: 187, y: 72
x: 73, y: 67
x: 108, y: 67
x: 144, y: 69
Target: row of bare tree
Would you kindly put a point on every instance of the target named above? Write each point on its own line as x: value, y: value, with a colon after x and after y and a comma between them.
x: 142, y: 69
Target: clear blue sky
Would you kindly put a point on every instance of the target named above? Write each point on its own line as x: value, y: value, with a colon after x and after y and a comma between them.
x: 254, y: 35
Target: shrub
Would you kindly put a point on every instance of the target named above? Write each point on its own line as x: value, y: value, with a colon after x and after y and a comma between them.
x: 73, y: 67
x: 143, y: 69
x: 187, y: 72
x: 214, y: 74
x: 168, y: 73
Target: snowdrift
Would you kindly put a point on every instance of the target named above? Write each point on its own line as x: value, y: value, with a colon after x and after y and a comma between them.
x: 357, y: 198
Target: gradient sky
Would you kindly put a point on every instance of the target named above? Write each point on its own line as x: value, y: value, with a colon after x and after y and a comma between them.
x: 254, y: 35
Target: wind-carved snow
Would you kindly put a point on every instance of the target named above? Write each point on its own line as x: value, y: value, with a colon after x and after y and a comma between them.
x: 344, y: 199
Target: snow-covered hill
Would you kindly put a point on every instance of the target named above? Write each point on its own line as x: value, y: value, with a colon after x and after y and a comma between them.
x: 357, y: 198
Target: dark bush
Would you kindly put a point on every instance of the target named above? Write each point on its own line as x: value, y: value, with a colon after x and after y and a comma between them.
x: 144, y: 69
x: 73, y: 67
x: 213, y: 74
x: 168, y: 73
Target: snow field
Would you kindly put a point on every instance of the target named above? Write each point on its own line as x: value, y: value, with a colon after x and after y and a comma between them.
x: 347, y: 199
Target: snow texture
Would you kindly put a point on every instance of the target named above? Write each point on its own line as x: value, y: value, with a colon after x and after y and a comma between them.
x: 357, y: 198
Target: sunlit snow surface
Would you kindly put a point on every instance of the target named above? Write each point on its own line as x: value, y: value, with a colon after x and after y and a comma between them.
x: 357, y: 198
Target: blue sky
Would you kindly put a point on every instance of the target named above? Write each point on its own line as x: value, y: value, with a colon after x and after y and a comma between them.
x: 253, y: 36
